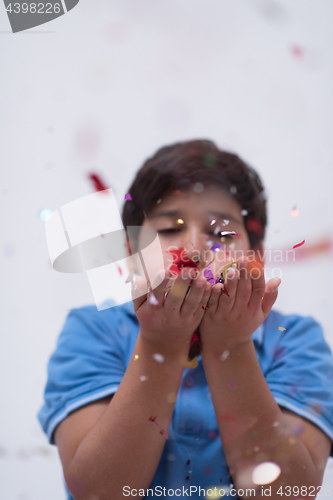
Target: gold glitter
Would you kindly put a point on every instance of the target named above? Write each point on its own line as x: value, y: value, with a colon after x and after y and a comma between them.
x: 281, y: 328
x: 180, y: 221
x: 136, y: 357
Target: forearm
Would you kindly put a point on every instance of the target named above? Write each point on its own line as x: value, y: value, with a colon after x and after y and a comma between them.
x: 124, y: 447
x: 251, y: 425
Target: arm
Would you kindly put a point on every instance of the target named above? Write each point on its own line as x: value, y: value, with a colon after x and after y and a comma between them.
x: 123, y: 447
x: 252, y: 427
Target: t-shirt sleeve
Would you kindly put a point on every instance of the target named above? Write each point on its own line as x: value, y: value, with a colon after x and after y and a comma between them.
x: 300, y: 374
x: 88, y: 364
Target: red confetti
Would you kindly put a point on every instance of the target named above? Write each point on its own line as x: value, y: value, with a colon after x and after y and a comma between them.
x: 253, y: 225
x: 194, y: 338
x: 299, y: 244
x: 228, y: 417
x: 180, y: 261
x: 176, y: 193
x: 97, y: 182
x: 162, y: 431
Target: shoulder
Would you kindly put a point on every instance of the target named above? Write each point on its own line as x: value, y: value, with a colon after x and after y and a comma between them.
x: 115, y: 322
x: 294, y: 330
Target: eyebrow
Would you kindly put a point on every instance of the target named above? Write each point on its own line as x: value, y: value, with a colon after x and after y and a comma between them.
x: 177, y: 213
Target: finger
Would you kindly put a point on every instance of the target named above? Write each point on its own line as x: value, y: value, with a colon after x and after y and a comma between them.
x: 139, y: 292
x: 202, y: 306
x: 176, y: 295
x: 214, y: 297
x: 258, y: 284
x: 226, y: 302
x: 159, y: 291
x: 194, y: 296
x: 270, y: 296
x: 244, y: 286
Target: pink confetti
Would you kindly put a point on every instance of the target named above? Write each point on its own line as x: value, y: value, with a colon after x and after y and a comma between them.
x: 233, y: 384
x: 294, y: 212
x: 128, y: 196
x: 296, y: 51
x: 299, y: 244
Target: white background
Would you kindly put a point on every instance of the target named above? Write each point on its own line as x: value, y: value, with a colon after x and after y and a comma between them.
x: 100, y: 89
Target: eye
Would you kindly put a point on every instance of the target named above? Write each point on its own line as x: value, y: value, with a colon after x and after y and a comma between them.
x: 168, y: 231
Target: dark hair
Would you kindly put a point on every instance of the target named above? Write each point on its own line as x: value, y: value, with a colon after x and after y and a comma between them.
x: 180, y: 166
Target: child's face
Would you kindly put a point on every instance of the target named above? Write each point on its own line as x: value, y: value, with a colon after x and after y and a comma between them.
x: 187, y: 220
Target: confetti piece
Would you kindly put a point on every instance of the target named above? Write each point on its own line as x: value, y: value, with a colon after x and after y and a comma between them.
x: 298, y: 429
x: 180, y: 221
x: 212, y: 222
x: 296, y: 51
x: 128, y: 197
x: 217, y: 230
x: 210, y: 242
x: 212, y: 435
x: 281, y: 328
x: 180, y: 260
x: 224, y: 355
x: 194, y: 338
x: 44, y: 214
x: 225, y: 222
x: 216, y: 247
x: 176, y: 192
x: 299, y: 244
x: 244, y: 213
x: 294, y: 212
x: 253, y: 225
x: 233, y: 190
x: 158, y: 201
x: 136, y: 357
x: 193, y: 363
x: 97, y: 182
x: 275, y: 424
x: 228, y: 417
x: 229, y: 233
x: 198, y: 187
x: 158, y: 357
x: 162, y: 431
x: 233, y: 384
x: 143, y: 378
x: 188, y: 462
x: 152, y: 299
x: 265, y: 473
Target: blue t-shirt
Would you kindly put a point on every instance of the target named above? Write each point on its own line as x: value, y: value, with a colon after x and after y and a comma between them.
x: 94, y: 349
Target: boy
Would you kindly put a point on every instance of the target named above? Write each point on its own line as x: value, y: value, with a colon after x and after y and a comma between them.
x: 130, y: 418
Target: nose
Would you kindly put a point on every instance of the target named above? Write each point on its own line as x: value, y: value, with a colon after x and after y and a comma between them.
x: 195, y: 244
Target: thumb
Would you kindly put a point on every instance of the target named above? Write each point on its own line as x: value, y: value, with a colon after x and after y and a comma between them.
x: 270, y: 295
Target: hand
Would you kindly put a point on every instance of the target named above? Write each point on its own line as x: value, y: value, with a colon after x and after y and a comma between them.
x: 169, y: 319
x: 231, y: 321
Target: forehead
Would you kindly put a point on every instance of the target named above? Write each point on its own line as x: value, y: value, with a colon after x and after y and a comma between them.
x: 211, y: 201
